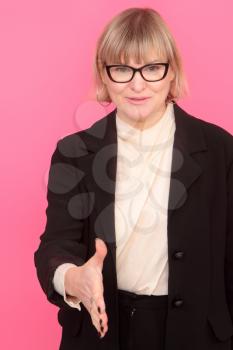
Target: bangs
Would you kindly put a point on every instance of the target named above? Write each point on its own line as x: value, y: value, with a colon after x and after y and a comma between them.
x: 134, y: 40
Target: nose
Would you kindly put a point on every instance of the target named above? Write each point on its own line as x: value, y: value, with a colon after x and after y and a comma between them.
x: 137, y: 83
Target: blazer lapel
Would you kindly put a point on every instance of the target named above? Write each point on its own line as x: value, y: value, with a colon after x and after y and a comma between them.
x: 188, y: 139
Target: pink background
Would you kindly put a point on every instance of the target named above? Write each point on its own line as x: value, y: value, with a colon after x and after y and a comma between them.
x: 47, y: 48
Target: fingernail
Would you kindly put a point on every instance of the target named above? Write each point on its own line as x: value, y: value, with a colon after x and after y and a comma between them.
x: 99, y: 309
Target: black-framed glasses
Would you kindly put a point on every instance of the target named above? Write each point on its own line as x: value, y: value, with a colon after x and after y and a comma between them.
x: 122, y: 73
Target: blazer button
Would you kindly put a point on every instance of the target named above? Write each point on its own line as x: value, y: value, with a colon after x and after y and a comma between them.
x: 178, y: 255
x: 177, y: 302
x: 132, y: 312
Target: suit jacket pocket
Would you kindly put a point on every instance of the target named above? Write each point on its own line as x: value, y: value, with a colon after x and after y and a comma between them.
x: 221, y: 325
x: 71, y: 320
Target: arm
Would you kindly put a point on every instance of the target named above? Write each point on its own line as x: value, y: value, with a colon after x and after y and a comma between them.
x: 229, y: 242
x: 58, y: 282
x: 63, y: 240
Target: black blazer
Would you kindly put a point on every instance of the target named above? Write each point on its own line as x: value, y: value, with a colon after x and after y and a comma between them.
x: 80, y: 208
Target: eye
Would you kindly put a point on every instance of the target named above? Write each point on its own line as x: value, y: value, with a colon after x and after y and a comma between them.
x: 121, y: 69
x: 153, y: 67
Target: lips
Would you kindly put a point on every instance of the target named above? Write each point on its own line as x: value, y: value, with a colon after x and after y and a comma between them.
x: 138, y: 98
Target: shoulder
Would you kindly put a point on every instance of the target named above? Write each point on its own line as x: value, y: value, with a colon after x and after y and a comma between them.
x: 89, y: 140
x: 215, y: 135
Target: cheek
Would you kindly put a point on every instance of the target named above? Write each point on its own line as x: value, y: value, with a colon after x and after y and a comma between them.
x: 162, y: 86
x: 116, y: 90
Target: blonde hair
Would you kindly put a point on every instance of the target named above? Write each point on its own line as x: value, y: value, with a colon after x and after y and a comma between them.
x: 132, y: 33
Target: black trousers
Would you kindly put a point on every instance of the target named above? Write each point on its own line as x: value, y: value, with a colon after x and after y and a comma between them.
x: 142, y: 321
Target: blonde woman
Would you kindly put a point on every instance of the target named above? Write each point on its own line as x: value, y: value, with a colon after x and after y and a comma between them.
x: 137, y: 251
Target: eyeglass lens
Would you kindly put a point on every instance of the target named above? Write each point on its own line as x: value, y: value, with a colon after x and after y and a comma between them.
x: 152, y: 72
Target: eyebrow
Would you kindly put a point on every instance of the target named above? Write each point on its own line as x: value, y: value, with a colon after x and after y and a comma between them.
x: 154, y: 61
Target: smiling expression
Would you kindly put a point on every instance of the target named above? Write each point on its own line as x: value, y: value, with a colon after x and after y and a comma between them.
x: 139, y: 113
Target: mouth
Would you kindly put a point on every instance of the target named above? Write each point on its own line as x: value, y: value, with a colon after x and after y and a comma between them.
x: 137, y: 99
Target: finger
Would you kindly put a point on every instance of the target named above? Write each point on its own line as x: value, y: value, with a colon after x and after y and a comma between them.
x: 103, y: 331
x: 93, y: 314
x: 100, y: 323
x: 104, y: 326
x: 96, y: 324
x: 99, y: 303
x: 98, y: 311
x: 103, y: 318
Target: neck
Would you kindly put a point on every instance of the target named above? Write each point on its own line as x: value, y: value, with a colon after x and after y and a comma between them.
x: 146, y: 123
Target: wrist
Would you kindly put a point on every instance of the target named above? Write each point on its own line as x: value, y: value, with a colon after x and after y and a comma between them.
x: 70, y: 281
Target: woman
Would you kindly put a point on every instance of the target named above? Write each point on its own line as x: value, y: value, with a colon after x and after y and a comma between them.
x: 139, y: 219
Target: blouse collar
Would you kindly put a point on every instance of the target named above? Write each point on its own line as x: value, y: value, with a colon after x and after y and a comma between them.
x: 158, y: 132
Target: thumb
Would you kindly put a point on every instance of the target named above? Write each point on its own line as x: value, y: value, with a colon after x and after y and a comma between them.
x: 101, y: 251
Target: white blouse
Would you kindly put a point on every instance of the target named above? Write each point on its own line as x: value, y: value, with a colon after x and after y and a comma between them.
x: 141, y: 202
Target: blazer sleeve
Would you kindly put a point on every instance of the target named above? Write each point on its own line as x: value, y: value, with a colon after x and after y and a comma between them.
x: 63, y: 238
x: 229, y: 242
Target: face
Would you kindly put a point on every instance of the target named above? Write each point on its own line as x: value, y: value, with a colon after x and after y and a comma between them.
x: 140, y: 114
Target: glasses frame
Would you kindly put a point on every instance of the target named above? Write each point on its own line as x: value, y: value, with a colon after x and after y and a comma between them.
x: 108, y: 67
